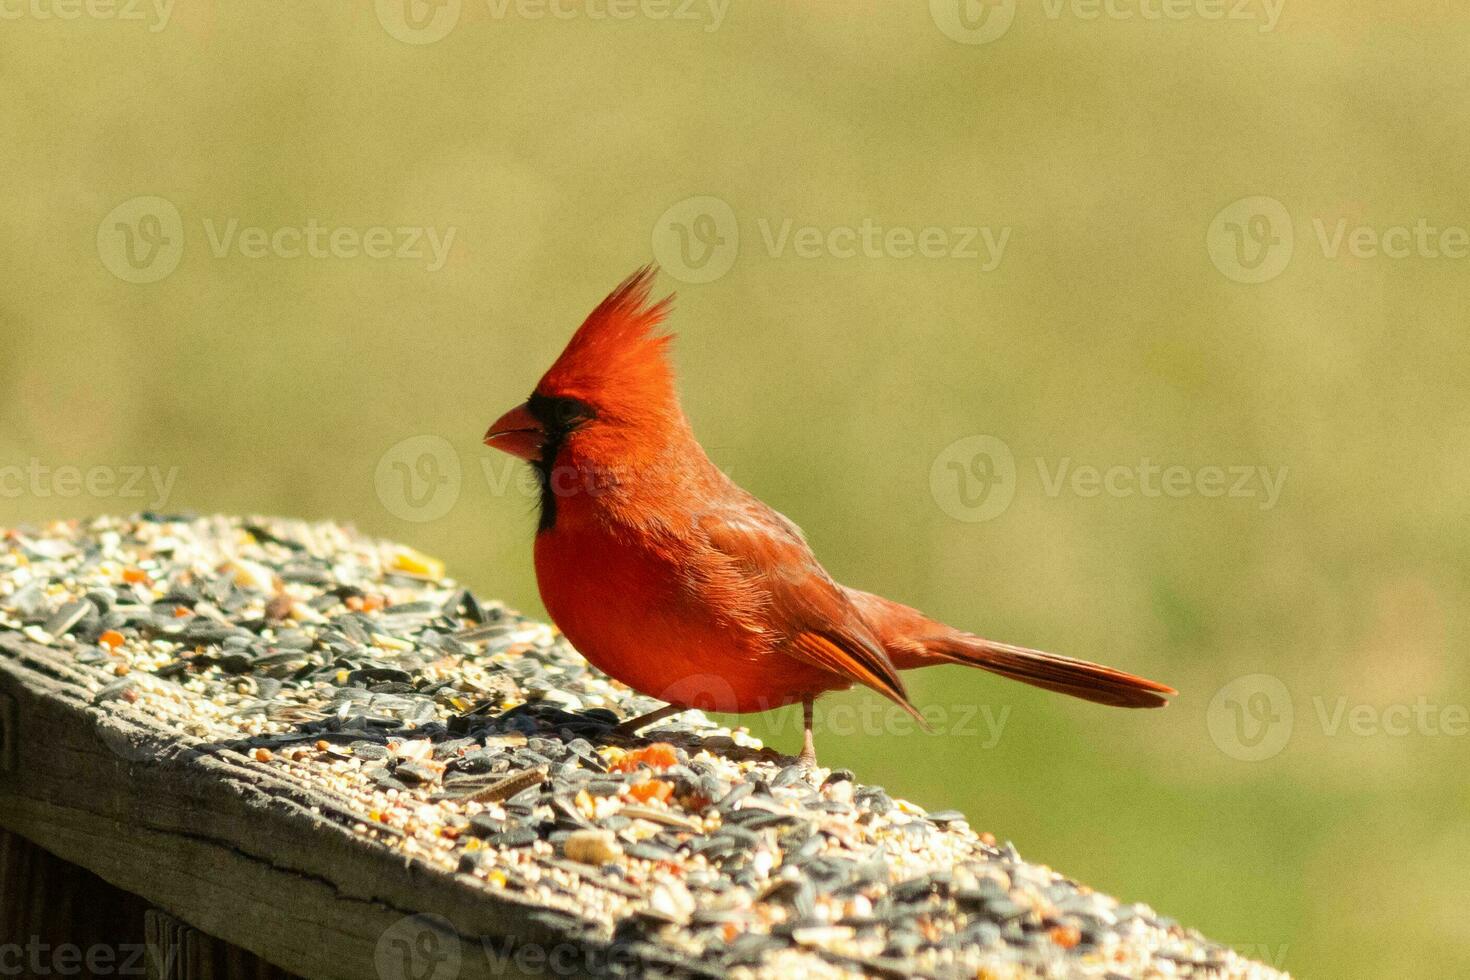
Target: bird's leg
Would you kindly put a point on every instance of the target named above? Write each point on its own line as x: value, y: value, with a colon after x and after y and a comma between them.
x: 632, y: 725
x: 808, y: 757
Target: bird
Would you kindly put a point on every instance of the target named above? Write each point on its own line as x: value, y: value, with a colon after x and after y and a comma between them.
x: 670, y: 578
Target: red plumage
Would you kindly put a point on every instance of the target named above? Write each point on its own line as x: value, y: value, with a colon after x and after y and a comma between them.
x: 672, y: 579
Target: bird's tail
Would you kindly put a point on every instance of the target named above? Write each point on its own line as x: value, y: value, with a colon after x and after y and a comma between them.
x: 1079, y: 678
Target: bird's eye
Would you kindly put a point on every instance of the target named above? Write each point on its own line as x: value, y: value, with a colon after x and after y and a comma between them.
x: 566, y: 413
x: 560, y: 414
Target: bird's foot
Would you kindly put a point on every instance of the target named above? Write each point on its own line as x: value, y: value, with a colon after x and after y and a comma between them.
x: 808, y: 758
x: 633, y: 726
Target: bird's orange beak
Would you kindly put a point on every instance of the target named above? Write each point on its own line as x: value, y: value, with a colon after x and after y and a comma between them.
x: 517, y: 432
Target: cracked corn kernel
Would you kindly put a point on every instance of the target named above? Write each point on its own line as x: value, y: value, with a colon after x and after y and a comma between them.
x: 659, y: 755
x: 413, y: 562
x: 1065, y: 936
x: 653, y: 789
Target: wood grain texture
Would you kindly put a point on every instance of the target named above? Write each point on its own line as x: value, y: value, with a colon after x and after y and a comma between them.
x: 178, y: 951
x: 47, y: 904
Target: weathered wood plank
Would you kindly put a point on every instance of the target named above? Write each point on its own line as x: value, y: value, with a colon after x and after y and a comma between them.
x: 231, y: 849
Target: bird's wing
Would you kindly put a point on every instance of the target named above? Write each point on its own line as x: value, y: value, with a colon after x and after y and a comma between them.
x: 819, y: 623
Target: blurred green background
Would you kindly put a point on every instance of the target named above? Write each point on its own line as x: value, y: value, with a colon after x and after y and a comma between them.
x: 1317, y: 816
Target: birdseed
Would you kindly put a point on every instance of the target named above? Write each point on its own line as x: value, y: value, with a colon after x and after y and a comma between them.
x: 465, y: 736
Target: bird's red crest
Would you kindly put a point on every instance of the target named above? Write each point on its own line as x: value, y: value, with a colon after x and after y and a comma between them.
x: 618, y: 359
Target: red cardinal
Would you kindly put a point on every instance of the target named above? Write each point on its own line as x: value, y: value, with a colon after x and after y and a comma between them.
x: 672, y: 579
